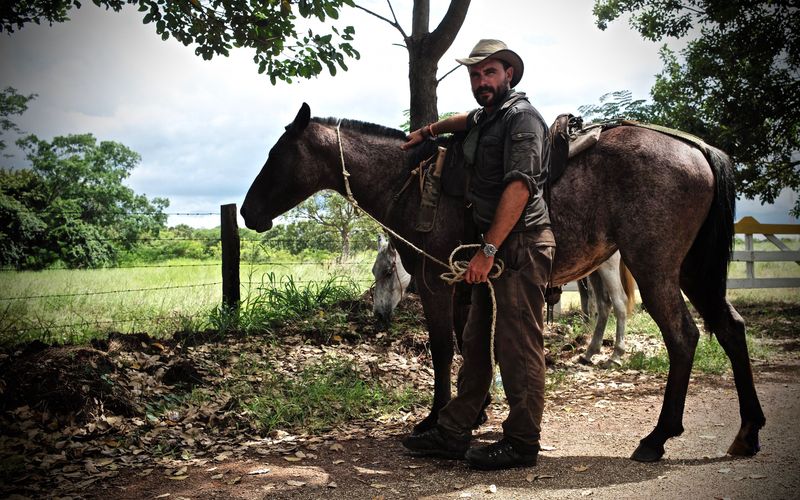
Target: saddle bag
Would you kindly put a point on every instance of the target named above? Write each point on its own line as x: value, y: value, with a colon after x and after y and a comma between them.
x: 430, y: 191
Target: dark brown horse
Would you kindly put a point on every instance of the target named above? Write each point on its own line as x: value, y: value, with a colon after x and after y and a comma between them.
x: 665, y: 205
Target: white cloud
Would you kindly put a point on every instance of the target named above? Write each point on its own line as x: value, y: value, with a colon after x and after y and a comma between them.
x: 204, y: 128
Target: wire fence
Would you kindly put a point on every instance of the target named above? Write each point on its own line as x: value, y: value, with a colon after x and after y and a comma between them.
x: 47, y: 311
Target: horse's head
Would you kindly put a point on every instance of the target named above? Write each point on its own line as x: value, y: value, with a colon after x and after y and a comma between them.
x: 391, y: 280
x: 287, y: 178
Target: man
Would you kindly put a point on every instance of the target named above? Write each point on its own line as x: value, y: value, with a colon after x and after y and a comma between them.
x: 507, y: 154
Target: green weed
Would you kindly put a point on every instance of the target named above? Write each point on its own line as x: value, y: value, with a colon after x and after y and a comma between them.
x: 709, y: 357
x: 320, y: 397
x: 554, y: 380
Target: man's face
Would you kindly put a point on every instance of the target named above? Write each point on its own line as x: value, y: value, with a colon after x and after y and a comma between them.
x: 490, y: 81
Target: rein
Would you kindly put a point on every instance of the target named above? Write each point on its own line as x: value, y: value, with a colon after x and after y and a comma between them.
x: 457, y: 269
x: 351, y: 199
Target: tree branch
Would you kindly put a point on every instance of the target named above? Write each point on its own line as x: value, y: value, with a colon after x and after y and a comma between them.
x: 448, y: 73
x: 420, y: 18
x: 394, y: 23
x: 442, y: 37
x: 693, y: 9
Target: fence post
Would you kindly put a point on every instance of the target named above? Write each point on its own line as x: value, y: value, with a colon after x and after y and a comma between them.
x: 229, y: 234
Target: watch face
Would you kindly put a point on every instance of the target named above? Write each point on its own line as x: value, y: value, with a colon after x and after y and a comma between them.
x: 489, y: 250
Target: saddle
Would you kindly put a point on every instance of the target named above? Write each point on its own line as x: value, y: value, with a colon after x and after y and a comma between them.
x: 567, y: 139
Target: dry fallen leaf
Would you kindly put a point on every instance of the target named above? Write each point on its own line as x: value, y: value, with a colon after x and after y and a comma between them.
x: 292, y: 459
x: 178, y: 478
x: 337, y: 447
x: 257, y: 472
x: 337, y: 462
x: 580, y: 468
x: 491, y: 489
x: 757, y: 476
x: 586, y: 493
x: 292, y: 482
x: 545, y: 447
x: 332, y: 484
x: 218, y: 476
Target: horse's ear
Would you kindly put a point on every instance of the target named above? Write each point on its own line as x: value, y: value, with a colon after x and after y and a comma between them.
x: 301, y: 120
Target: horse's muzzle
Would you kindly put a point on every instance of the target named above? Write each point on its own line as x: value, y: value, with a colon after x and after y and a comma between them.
x: 255, y: 222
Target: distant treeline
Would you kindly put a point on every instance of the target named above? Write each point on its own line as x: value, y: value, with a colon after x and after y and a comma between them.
x: 302, y: 239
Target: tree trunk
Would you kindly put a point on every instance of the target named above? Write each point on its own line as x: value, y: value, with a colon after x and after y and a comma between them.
x: 345, y: 234
x: 422, y: 81
x: 424, y: 52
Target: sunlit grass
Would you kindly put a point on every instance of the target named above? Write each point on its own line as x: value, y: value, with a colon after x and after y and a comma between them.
x: 178, y: 295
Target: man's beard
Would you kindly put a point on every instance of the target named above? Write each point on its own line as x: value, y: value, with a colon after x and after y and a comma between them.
x: 496, y: 97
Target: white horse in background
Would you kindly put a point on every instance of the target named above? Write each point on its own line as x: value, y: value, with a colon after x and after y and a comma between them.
x: 609, y: 286
x: 391, y: 281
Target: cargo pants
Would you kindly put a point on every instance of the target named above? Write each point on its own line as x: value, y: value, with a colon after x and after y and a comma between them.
x: 519, y: 346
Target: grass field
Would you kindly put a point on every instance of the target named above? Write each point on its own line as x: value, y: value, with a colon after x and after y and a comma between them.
x: 182, y: 295
x: 177, y: 295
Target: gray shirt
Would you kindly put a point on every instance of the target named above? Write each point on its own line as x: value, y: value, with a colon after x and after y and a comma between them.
x: 512, y: 144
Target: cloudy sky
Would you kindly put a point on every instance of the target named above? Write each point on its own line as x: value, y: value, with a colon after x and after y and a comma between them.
x: 204, y: 128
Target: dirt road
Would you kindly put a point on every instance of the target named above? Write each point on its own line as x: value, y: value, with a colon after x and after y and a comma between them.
x: 590, y: 430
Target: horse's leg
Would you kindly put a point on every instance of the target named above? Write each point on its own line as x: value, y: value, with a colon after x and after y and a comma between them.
x: 728, y: 326
x: 667, y: 308
x: 619, y: 301
x: 599, y: 294
x: 583, y: 291
x: 438, y: 306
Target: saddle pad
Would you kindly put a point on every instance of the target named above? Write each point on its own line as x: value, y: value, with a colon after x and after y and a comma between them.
x: 678, y: 134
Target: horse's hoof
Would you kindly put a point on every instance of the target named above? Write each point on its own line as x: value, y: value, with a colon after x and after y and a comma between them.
x: 482, y: 418
x: 744, y: 447
x: 613, y: 363
x: 646, y: 453
x: 584, y: 360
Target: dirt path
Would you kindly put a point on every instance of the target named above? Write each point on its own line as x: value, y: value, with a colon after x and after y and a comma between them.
x: 592, y: 430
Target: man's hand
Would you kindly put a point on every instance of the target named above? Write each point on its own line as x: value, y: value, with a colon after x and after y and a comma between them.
x: 413, y: 139
x: 479, y: 268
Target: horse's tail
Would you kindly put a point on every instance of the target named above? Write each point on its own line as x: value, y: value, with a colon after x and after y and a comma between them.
x: 629, y: 285
x: 705, y: 269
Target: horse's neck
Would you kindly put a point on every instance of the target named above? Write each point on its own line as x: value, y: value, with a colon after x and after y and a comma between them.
x: 377, y: 169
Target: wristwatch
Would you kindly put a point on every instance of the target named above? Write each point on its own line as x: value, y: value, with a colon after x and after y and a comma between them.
x: 488, y: 249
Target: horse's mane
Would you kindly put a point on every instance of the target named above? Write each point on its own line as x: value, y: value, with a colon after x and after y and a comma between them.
x: 363, y: 127
x: 414, y: 156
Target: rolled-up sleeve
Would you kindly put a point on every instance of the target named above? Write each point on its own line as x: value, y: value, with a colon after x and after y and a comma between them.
x: 523, y: 151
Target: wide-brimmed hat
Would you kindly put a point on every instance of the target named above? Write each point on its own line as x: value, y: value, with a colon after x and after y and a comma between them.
x: 497, y: 50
